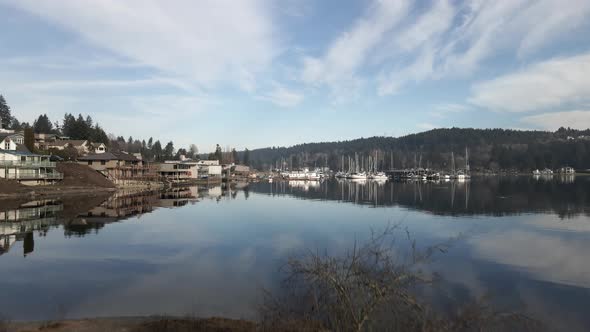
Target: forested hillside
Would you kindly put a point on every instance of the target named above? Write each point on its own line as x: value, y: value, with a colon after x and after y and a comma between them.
x: 489, y: 149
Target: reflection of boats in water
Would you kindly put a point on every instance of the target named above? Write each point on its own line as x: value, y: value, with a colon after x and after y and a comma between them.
x: 304, y: 174
x: 357, y: 176
x: 378, y: 176
x: 494, y: 196
x: 305, y: 185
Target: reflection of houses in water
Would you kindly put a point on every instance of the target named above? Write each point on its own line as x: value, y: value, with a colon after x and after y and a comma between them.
x: 125, y: 204
x: 121, y: 205
x: 177, y: 196
x: 20, y: 223
x: 211, y: 192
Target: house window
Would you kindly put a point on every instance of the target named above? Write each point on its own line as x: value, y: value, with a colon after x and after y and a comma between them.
x: 23, y: 158
x: 90, y: 163
x: 103, y: 162
x: 7, y: 145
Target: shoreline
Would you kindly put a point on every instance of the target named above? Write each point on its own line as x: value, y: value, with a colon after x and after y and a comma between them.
x: 58, y: 191
x: 132, y: 324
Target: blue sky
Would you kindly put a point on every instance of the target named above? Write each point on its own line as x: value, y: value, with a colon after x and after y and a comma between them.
x: 255, y: 73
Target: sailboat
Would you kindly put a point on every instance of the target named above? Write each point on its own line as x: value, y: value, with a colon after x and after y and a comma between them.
x: 466, y: 175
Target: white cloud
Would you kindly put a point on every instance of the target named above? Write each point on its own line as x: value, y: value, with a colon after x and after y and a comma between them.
x: 347, y: 53
x: 283, y: 97
x: 552, y: 121
x: 554, y: 83
x: 427, y: 126
x: 482, y: 29
x: 423, y: 37
x: 442, y: 110
x: 206, y: 41
x: 543, y: 256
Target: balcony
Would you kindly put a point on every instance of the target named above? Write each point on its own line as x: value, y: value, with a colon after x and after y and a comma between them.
x: 40, y: 176
x: 26, y: 164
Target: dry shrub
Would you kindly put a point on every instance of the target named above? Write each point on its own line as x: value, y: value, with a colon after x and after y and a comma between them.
x: 371, y: 288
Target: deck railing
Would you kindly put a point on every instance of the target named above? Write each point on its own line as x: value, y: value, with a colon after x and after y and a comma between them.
x: 41, y: 176
x: 26, y: 164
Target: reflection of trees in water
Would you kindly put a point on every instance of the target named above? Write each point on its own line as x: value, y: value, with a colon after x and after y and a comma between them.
x: 372, y: 286
x: 488, y: 196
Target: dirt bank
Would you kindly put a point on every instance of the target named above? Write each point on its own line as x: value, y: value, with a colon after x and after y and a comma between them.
x: 76, y: 175
x: 78, y: 179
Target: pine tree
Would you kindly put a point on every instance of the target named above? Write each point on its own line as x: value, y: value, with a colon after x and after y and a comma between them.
x: 169, y: 151
x: 246, y: 158
x: 5, y: 116
x: 43, y: 125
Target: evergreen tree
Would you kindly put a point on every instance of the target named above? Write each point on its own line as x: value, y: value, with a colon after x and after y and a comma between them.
x: 43, y: 125
x: 246, y: 158
x: 5, y: 115
x: 169, y: 150
x: 157, y: 151
x: 181, y: 152
x: 99, y: 135
x: 235, y: 157
x: 218, y: 154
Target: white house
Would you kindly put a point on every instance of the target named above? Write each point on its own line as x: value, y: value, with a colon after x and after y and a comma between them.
x: 209, y: 168
x: 9, y: 141
x: 18, y: 163
x: 179, y: 170
x: 99, y: 147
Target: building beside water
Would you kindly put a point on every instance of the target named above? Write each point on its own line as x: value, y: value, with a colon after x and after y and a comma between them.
x: 18, y: 163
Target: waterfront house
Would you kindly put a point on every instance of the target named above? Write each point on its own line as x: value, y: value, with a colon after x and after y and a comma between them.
x: 82, y: 146
x: 209, y: 169
x: 99, y: 147
x: 18, y: 163
x: 120, y: 166
x: 179, y: 170
x: 567, y: 170
x: 42, y: 140
x: 9, y: 140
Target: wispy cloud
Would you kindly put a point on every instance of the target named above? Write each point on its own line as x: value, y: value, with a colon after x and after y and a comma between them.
x: 427, y: 126
x: 548, y: 84
x: 442, y: 110
x: 283, y: 97
x: 206, y: 41
x: 349, y: 51
x: 579, y: 119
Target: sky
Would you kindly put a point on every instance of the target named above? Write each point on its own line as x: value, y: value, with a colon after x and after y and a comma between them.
x: 257, y: 73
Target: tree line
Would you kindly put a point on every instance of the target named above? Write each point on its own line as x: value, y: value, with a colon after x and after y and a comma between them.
x: 488, y: 149
x: 84, y: 128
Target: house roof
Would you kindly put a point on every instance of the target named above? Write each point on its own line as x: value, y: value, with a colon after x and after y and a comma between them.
x: 109, y: 156
x: 4, y: 135
x: 21, y: 150
x: 68, y: 141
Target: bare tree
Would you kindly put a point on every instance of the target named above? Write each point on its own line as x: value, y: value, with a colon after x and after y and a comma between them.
x: 370, y: 287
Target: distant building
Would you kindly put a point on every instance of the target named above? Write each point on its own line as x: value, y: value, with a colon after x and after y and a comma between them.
x: 82, y: 146
x: 120, y: 166
x: 179, y: 170
x: 41, y: 140
x: 9, y: 141
x: 567, y: 170
x: 209, y: 169
x: 99, y: 147
x: 18, y: 163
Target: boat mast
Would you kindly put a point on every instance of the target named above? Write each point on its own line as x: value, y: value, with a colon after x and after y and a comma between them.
x: 466, y: 160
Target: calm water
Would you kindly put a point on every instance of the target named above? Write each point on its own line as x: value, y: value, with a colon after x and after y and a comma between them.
x: 209, y: 251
